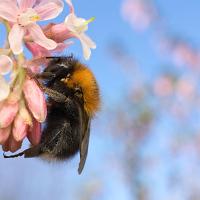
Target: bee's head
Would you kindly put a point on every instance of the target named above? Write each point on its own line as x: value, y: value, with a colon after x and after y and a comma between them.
x: 61, y: 67
x: 79, y: 79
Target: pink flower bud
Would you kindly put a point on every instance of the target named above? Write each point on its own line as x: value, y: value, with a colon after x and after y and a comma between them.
x: 58, y: 32
x: 35, y: 100
x: 11, y: 145
x: 25, y: 115
x: 19, y: 128
x: 4, y: 134
x: 37, y: 50
x: 7, y: 114
x: 41, y: 52
x: 34, y: 133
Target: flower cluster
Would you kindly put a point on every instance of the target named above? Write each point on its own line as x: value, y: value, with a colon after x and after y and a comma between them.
x: 22, y: 103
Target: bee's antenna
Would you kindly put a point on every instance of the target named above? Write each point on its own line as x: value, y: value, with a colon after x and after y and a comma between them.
x: 52, y: 57
x: 13, y: 156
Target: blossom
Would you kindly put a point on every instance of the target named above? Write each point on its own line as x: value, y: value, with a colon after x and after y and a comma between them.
x: 34, y: 133
x: 77, y: 26
x: 24, y: 16
x: 73, y: 26
x: 19, y: 128
x: 35, y: 100
x: 8, y: 112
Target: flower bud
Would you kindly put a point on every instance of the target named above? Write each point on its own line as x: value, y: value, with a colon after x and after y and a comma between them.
x: 11, y: 145
x: 34, y: 133
x: 25, y: 115
x: 7, y: 114
x: 4, y: 134
x: 35, y: 100
x: 19, y: 128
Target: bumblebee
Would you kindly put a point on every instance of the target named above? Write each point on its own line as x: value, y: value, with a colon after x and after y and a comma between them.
x: 73, y: 100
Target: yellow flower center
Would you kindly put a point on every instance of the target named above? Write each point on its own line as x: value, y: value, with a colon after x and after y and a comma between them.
x: 28, y: 17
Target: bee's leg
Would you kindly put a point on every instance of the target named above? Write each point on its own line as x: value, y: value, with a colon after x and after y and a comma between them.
x: 56, y: 96
x: 28, y: 153
x: 45, y: 75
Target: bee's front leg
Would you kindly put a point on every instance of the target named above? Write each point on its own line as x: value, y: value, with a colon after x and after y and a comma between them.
x: 56, y: 96
x: 43, y: 75
x: 53, y: 94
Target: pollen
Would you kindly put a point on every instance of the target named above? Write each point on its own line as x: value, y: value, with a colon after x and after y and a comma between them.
x: 34, y: 18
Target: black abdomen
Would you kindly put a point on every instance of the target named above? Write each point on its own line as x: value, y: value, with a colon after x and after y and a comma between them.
x: 61, y: 134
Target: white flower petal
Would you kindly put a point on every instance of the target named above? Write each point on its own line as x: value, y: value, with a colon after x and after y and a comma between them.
x: 49, y: 10
x: 88, y: 41
x: 24, y: 4
x: 86, y: 49
x: 6, y: 64
x: 8, y: 10
x: 39, y: 37
x: 15, y: 39
x: 4, y: 89
x: 69, y: 2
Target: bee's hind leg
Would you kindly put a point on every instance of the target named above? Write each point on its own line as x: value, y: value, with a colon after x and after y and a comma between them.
x: 28, y: 153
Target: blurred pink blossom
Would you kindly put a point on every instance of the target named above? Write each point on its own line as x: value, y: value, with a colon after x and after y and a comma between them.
x: 139, y: 13
x: 186, y: 88
x: 180, y: 52
x: 163, y: 86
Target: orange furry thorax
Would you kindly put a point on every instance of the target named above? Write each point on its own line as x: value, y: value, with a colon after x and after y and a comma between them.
x: 83, y: 77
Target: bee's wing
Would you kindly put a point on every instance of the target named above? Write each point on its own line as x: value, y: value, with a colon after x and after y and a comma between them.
x: 85, y: 135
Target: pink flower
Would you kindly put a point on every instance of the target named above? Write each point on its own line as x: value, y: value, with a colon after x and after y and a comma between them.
x: 34, y: 133
x: 19, y: 128
x: 72, y: 27
x: 8, y: 112
x: 4, y: 134
x: 39, y: 51
x: 24, y: 14
x: 11, y: 144
x: 35, y: 100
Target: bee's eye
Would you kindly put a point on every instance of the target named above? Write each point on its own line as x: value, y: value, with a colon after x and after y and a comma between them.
x: 63, y: 65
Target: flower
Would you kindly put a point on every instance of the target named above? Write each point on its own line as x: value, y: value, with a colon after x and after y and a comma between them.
x: 19, y: 128
x: 35, y: 100
x: 24, y: 16
x: 73, y: 26
x: 77, y: 26
x: 34, y: 133
x: 8, y: 112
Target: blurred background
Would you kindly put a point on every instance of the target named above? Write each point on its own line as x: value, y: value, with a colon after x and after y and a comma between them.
x: 145, y: 141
